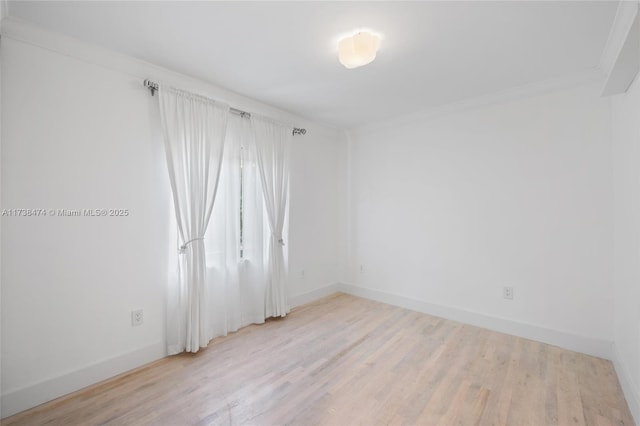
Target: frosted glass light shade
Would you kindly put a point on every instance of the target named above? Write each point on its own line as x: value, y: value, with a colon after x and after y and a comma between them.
x: 358, y: 50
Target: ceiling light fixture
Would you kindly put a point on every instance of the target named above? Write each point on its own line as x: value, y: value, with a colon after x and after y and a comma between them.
x: 358, y: 50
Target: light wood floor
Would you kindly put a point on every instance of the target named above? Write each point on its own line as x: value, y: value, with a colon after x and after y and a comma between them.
x: 345, y: 361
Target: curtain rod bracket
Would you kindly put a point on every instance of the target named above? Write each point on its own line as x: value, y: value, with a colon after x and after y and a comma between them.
x: 152, y: 86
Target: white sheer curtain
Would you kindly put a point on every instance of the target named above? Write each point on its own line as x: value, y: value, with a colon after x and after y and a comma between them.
x: 273, y: 148
x: 235, y: 277
x: 194, y: 130
x: 230, y: 182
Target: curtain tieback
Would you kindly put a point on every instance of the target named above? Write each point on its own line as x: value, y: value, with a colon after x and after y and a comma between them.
x: 183, y: 247
x: 280, y: 240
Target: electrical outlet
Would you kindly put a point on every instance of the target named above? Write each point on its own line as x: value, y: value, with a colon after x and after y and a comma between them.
x: 507, y: 293
x: 137, y: 318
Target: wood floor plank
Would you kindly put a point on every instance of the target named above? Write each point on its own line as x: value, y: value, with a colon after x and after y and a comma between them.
x: 344, y: 360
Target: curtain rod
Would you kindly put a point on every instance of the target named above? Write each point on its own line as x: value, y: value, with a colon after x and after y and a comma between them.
x: 153, y: 87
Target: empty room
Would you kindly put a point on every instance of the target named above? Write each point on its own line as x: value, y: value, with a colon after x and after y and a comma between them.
x: 320, y: 213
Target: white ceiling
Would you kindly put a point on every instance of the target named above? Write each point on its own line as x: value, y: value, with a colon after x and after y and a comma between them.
x: 284, y: 53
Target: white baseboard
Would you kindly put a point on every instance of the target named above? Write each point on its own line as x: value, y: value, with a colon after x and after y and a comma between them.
x: 15, y: 401
x: 630, y: 389
x: 27, y: 397
x: 313, y: 295
x: 586, y: 345
x: 21, y: 399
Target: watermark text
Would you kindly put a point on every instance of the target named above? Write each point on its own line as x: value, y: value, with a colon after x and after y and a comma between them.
x: 65, y: 212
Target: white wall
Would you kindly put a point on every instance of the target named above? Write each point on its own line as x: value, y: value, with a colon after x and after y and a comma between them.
x: 80, y: 131
x: 314, y: 214
x: 449, y: 209
x: 626, y: 261
x: 441, y: 211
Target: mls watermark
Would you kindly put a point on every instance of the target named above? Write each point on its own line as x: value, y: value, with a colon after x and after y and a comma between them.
x: 65, y: 212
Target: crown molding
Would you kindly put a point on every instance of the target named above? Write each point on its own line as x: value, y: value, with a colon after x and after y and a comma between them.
x: 32, y: 34
x: 592, y: 76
